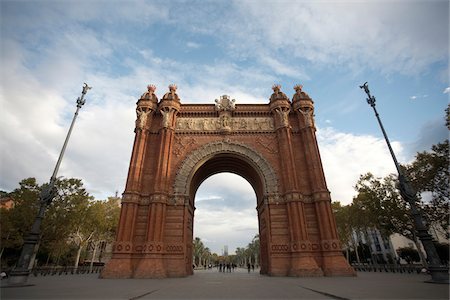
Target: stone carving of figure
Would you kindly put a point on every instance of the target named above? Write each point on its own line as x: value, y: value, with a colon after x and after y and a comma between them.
x: 308, y: 116
x: 225, y: 121
x: 190, y: 124
x: 283, y: 116
x: 243, y: 124
x: 142, y: 117
x: 166, y: 118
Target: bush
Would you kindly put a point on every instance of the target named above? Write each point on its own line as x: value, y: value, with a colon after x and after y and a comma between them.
x: 409, y: 254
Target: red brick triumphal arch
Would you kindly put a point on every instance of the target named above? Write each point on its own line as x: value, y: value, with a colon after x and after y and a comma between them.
x: 177, y: 146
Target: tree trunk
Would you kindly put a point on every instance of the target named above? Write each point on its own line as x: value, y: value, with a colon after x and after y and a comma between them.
x: 368, y: 238
x: 102, y: 248
x: 48, y: 259
x: 77, y: 258
x: 355, y: 246
x: 93, y: 257
x: 419, y: 250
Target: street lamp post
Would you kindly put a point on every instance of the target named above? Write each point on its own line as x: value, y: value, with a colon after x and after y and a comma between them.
x: 19, y: 275
x: 439, y: 272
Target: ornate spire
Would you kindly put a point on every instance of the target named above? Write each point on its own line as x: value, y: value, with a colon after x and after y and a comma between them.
x: 172, y: 94
x: 299, y: 93
x: 150, y: 93
x: 277, y: 93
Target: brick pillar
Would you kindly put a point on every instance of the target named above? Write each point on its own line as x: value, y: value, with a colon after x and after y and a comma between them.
x: 152, y: 264
x: 333, y: 261
x: 302, y: 262
x: 120, y: 265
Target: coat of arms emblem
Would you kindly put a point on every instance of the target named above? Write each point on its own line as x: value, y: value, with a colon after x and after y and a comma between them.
x: 225, y: 103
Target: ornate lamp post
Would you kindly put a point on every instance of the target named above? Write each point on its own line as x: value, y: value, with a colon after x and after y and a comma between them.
x: 19, y: 275
x: 439, y: 273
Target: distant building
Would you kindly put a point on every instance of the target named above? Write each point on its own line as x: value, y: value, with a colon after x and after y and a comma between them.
x: 6, y: 202
x: 225, y: 250
x: 381, y: 248
x: 384, y: 250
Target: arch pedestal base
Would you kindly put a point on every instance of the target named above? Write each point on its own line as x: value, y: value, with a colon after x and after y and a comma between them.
x: 150, y: 267
x: 336, y: 265
x: 118, y: 268
x: 304, y: 266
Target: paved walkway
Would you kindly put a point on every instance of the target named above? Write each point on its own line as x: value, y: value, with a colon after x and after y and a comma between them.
x: 210, y: 284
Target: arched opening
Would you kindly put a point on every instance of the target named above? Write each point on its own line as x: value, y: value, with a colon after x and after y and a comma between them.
x: 219, y: 157
x: 226, y: 223
x: 226, y: 162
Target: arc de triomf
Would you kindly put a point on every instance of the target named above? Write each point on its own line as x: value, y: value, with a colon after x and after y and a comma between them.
x: 177, y: 146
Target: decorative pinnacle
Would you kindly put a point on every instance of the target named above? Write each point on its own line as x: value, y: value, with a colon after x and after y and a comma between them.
x: 276, y: 87
x: 371, y: 100
x: 81, y: 100
x: 298, y: 87
x: 151, y: 88
x: 86, y: 88
x: 173, y: 87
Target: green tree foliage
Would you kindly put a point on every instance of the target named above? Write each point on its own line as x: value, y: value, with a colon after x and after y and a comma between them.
x: 253, y: 251
x: 63, y: 215
x: 378, y: 203
x: 16, y: 222
x: 345, y: 225
x: 409, y: 254
x: 429, y: 172
x: 443, y: 252
x: 72, y: 213
x: 198, y: 249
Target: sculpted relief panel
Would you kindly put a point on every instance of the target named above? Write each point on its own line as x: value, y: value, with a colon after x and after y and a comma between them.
x: 217, y: 124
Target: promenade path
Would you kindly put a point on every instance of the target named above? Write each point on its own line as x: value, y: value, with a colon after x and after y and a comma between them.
x: 211, y: 284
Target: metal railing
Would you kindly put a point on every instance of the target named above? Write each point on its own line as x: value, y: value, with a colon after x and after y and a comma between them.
x: 44, y: 271
x: 388, y: 268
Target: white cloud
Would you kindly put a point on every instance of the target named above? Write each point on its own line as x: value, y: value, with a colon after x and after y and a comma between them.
x: 413, y: 97
x: 357, y: 33
x: 193, y: 45
x: 447, y: 90
x: 346, y: 156
x: 281, y: 68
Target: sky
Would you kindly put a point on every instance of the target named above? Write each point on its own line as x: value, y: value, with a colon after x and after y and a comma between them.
x: 210, y: 48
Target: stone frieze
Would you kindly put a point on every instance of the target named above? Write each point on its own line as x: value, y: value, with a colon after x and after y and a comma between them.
x: 217, y: 124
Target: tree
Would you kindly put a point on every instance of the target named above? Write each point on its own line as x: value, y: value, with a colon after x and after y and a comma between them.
x: 429, y: 172
x: 17, y: 221
x: 409, y: 254
x: 251, y: 252
x: 198, y: 248
x: 63, y: 215
x: 344, y: 225
x: 240, y: 256
x: 380, y: 206
x: 102, y: 217
x: 72, y: 216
